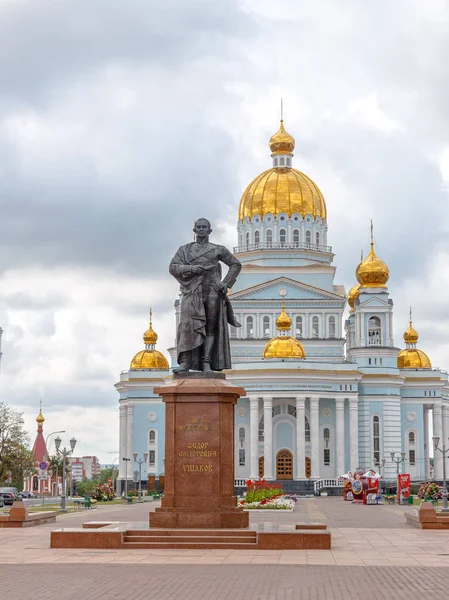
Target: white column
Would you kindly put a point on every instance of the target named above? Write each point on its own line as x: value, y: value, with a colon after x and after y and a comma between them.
x: 123, y: 431
x: 300, y: 439
x: 275, y: 230
x: 315, y: 436
x: 340, y: 437
x: 262, y: 232
x: 438, y: 431
x: 130, y: 442
x: 445, y: 426
x: 268, y: 437
x: 387, y: 330
x: 354, y: 432
x: 390, y: 316
x: 254, y: 437
x: 289, y: 230
x: 427, y: 442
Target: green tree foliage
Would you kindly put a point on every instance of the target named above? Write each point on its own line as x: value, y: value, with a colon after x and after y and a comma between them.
x: 84, y: 488
x: 16, y: 458
x: 55, y: 465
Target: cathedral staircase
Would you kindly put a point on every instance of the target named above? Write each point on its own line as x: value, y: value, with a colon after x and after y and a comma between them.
x: 299, y: 488
x: 190, y: 539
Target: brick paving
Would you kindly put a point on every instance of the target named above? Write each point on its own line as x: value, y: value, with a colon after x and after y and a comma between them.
x: 372, y: 548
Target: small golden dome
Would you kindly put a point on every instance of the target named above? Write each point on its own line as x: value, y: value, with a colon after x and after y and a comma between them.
x: 283, y: 322
x: 150, y: 336
x: 280, y: 190
x: 149, y: 359
x: 412, y: 358
x: 284, y: 346
x: 372, y: 272
x: 353, y: 295
x: 282, y: 142
x: 40, y: 418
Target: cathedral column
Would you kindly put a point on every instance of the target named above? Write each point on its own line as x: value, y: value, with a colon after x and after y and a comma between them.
x: 315, y: 436
x: 130, y: 442
x: 303, y: 232
x: 354, y: 432
x: 445, y: 440
x: 427, y: 442
x: 340, y: 435
x: 268, y: 437
x: 289, y: 230
x: 262, y: 232
x: 300, y: 439
x: 438, y: 431
x: 254, y: 437
x: 275, y: 230
x: 123, y: 412
x: 387, y: 331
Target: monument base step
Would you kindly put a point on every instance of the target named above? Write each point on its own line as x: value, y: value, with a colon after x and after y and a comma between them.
x: 190, y: 539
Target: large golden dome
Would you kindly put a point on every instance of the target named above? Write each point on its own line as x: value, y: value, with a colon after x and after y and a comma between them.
x: 413, y: 358
x: 353, y: 295
x: 284, y: 346
x: 282, y: 190
x: 150, y: 358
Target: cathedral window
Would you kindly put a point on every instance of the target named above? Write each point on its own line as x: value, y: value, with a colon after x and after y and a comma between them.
x: 376, y: 440
x: 242, y: 436
x: 374, y: 332
x: 282, y: 161
x: 241, y: 457
x: 331, y: 327
x: 411, y: 448
x: 291, y: 410
x: 296, y: 236
x: 315, y: 327
x: 276, y: 410
x: 306, y: 429
x: 282, y: 236
x: 326, y: 443
x: 232, y: 332
x: 152, y: 458
x: 269, y: 237
x: 256, y: 237
x: 249, y: 327
x: 152, y: 436
x: 266, y: 327
x: 298, y: 327
x: 308, y: 237
x: 247, y: 238
x: 261, y: 429
x: 317, y: 238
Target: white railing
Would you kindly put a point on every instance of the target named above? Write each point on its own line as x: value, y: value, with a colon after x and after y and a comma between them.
x: 321, y: 484
x: 282, y: 246
x: 240, y: 483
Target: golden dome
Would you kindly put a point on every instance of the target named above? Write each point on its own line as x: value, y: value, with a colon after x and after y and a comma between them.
x: 411, y: 335
x: 353, y: 295
x: 280, y: 190
x: 412, y: 358
x: 284, y: 346
x: 282, y: 142
x: 283, y: 322
x: 372, y: 272
x: 40, y: 418
x: 150, y: 358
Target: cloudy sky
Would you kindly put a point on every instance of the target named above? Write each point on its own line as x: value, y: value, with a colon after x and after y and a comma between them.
x: 122, y: 122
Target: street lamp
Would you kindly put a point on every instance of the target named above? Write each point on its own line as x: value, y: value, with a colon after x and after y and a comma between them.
x: 398, y: 461
x: 380, y: 465
x: 126, y: 474
x: 65, y: 453
x: 443, y: 451
x: 140, y: 462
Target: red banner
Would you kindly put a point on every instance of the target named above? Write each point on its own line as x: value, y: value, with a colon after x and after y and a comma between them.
x: 403, y: 486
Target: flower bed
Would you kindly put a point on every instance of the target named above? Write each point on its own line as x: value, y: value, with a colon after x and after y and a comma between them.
x: 429, y: 491
x: 262, y: 494
x: 279, y: 503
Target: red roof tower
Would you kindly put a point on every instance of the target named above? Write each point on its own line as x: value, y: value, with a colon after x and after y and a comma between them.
x: 39, y: 448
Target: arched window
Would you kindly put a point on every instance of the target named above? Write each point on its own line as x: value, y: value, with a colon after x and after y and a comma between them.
x: 282, y: 161
x: 315, y: 327
x: 376, y: 440
x: 306, y: 429
x: 261, y: 429
x: 232, y: 332
x: 331, y: 327
x: 151, y: 436
x: 269, y: 236
x: 298, y: 327
x: 308, y: 236
x: 282, y: 236
x: 411, y: 438
x: 411, y: 449
x: 326, y: 446
x: 266, y: 327
x: 256, y: 237
x: 296, y: 236
x: 317, y: 238
x: 374, y: 332
x: 247, y: 238
x: 249, y: 327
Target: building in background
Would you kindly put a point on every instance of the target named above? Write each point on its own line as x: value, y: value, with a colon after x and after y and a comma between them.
x: 84, y: 467
x: 318, y: 403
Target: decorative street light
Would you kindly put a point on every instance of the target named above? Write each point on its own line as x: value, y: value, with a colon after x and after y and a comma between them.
x: 65, y: 453
x: 398, y: 461
x: 140, y: 462
x: 127, y: 460
x: 46, y: 459
x: 443, y: 451
x: 380, y: 465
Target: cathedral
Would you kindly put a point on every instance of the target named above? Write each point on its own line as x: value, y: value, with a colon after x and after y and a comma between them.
x: 323, y: 396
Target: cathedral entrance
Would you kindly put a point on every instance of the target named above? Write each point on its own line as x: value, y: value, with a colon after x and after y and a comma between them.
x: 261, y: 467
x: 308, y: 468
x: 284, y: 465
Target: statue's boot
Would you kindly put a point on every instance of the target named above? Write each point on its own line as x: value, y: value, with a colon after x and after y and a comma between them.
x: 207, y: 348
x: 184, y: 364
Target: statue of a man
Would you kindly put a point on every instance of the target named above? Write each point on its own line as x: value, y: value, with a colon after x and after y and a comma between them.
x: 203, y: 338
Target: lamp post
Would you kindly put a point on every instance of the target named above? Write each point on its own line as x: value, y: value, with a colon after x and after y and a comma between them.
x: 380, y: 465
x: 398, y: 461
x: 140, y: 462
x: 65, y: 453
x: 443, y: 451
x: 126, y: 474
x: 46, y: 458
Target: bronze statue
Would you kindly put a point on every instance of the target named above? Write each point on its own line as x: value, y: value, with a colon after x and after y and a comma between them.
x: 203, y: 337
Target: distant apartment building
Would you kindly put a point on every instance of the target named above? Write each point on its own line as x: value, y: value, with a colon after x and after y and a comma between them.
x: 85, y: 467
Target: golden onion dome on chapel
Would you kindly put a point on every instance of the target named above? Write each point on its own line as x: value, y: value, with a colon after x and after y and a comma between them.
x: 282, y: 189
x: 411, y: 357
x: 372, y: 271
x: 353, y: 295
x: 284, y: 346
x: 411, y: 335
x: 150, y: 358
x: 40, y: 418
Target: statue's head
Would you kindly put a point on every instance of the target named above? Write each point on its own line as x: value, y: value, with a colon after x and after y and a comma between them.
x: 202, y: 227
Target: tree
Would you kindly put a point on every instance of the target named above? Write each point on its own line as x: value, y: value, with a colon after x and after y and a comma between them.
x: 55, y: 465
x: 16, y: 458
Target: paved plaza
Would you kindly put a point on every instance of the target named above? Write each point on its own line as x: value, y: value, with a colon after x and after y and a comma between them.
x: 373, y: 549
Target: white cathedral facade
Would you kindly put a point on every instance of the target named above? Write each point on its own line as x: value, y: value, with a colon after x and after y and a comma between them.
x: 323, y: 396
